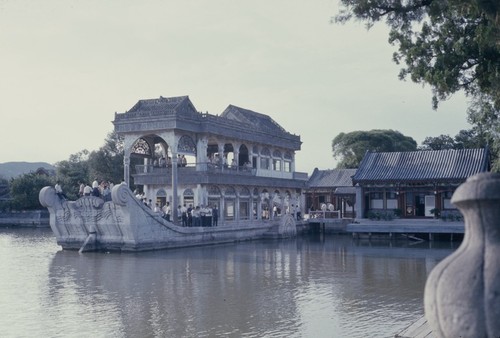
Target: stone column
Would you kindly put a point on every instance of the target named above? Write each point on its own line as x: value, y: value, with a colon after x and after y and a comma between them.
x: 222, y: 209
x: 259, y: 208
x: 221, y: 154
x: 462, y: 293
x: 126, y: 168
x: 201, y: 154
x: 359, y: 203
x: 128, y: 142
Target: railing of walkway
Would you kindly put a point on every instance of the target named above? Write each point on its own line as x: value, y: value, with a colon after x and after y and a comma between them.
x: 209, y: 167
x: 324, y: 214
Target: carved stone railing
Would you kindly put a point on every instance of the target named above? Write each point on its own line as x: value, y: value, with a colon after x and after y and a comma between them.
x: 462, y: 293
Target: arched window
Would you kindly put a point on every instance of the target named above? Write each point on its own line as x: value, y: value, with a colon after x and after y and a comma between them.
x: 141, y: 147
x: 186, y: 145
x: 277, y: 160
x: 244, y: 203
x: 229, y: 203
x: 188, y: 197
x: 287, y: 163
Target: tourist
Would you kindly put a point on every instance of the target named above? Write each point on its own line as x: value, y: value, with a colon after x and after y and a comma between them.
x: 106, y: 193
x: 95, y: 190
x: 60, y: 192
x: 190, y: 216
x: 215, y: 216
x: 157, y: 209
x: 196, y: 216
x: 184, y: 215
x: 87, y: 190
x: 167, y: 211
x: 81, y: 187
x: 179, y: 213
x: 183, y: 161
x: 208, y: 216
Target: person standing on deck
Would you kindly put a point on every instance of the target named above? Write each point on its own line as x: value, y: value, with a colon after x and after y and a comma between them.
x: 215, y: 216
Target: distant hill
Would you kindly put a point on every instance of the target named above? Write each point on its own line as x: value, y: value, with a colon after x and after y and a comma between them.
x: 14, y: 169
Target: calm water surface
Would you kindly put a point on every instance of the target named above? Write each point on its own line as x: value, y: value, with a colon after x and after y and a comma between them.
x: 317, y: 286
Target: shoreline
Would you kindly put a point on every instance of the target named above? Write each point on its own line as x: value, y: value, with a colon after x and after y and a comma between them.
x: 26, y: 218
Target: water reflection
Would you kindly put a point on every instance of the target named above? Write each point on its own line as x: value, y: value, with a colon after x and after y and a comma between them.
x: 304, y: 287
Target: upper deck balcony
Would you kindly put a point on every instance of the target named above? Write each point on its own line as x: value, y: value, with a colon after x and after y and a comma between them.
x: 208, y: 173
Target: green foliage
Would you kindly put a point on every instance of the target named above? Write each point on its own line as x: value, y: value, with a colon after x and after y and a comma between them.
x: 436, y: 212
x: 350, y: 148
x: 440, y: 142
x: 72, y: 171
x: 452, y: 45
x: 107, y: 163
x: 84, y: 166
x: 380, y: 216
x: 24, y: 190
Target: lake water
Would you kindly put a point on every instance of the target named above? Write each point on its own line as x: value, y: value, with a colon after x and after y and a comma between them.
x: 314, y: 286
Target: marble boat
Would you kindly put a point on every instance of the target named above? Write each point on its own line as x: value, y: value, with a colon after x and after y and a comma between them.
x: 126, y: 224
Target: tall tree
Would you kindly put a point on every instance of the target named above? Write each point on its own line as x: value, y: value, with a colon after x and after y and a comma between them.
x: 451, y: 45
x: 107, y: 162
x: 440, y: 142
x: 72, y: 171
x: 24, y: 190
x: 349, y: 148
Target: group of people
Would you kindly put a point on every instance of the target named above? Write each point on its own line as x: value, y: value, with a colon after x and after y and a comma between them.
x: 102, y: 190
x: 199, y: 216
x: 162, y: 162
x: 188, y: 216
x: 215, y: 161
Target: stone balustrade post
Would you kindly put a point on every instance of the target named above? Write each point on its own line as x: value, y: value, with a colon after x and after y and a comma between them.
x: 462, y: 293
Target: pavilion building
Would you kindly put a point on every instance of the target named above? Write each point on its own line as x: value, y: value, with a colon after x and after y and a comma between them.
x: 332, y: 189
x: 241, y: 161
x: 414, y: 184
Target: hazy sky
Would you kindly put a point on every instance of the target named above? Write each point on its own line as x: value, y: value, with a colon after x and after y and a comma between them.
x: 66, y: 66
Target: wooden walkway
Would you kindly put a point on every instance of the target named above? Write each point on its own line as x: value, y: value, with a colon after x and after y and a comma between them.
x: 419, y: 329
x: 405, y: 226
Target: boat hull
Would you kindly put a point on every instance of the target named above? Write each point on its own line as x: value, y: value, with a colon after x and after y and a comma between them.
x: 126, y: 224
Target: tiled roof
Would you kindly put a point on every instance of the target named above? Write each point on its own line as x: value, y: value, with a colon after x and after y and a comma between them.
x: 345, y: 191
x: 331, y: 178
x: 161, y: 104
x: 161, y: 107
x: 418, y: 166
x: 253, y: 119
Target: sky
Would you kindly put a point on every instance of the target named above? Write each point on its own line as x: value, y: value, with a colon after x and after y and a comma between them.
x: 66, y: 67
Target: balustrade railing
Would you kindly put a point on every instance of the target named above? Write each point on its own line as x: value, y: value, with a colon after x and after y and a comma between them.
x: 201, y: 166
x: 324, y: 214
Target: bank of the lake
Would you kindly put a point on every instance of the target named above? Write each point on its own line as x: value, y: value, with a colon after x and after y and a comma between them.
x: 309, y: 286
x: 25, y: 218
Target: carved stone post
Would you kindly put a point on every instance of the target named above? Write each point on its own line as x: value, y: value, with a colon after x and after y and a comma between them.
x: 462, y: 294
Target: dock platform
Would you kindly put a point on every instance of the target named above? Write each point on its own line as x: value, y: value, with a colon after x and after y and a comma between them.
x: 408, y: 227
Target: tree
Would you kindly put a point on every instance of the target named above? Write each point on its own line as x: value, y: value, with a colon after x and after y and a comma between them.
x: 72, y: 171
x: 107, y: 162
x: 24, y: 190
x: 440, y: 142
x: 451, y: 45
x: 350, y: 148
